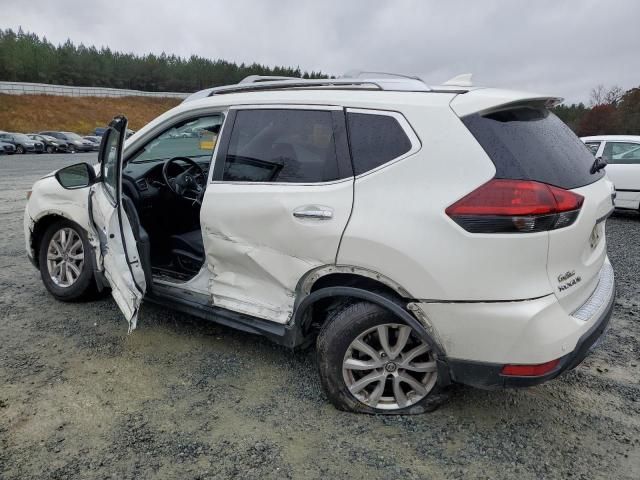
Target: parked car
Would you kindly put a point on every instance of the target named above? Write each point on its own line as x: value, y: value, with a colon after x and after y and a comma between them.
x: 99, y: 131
x: 7, y: 148
x: 455, y: 235
x: 74, y: 141
x: 622, y: 155
x: 95, y: 140
x: 51, y: 144
x: 22, y: 143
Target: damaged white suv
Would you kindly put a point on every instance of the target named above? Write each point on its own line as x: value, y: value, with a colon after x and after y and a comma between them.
x: 420, y: 236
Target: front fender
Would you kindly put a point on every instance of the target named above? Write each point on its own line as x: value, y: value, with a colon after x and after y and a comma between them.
x: 49, y: 198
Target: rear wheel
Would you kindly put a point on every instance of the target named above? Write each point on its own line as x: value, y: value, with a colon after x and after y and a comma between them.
x: 371, y: 362
x: 65, y: 262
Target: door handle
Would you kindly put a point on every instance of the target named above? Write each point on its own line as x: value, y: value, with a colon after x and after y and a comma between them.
x: 313, y: 211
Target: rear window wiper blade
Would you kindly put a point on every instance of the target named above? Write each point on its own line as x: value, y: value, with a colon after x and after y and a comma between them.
x: 597, y: 165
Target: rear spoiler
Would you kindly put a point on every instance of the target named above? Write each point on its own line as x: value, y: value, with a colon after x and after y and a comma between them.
x: 487, y: 100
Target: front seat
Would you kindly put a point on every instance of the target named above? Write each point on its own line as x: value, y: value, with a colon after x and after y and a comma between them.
x: 187, y: 251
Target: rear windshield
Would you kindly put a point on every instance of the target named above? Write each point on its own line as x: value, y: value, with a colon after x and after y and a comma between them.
x: 529, y: 143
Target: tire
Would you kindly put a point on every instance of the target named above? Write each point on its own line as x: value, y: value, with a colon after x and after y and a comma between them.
x: 50, y: 149
x: 20, y: 149
x: 72, y: 149
x: 335, y: 350
x: 83, y: 285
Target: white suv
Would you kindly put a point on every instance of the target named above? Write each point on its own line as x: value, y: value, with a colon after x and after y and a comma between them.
x: 622, y: 155
x: 420, y: 236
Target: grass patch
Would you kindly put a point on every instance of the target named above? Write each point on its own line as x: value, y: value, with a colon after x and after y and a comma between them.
x: 34, y: 113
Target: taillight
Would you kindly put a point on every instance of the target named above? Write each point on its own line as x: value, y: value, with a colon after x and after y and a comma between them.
x: 515, y: 206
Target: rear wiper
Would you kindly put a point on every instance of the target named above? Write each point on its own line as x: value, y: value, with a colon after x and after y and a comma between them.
x: 598, y: 164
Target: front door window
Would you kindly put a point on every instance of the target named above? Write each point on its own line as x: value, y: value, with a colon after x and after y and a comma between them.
x: 622, y: 152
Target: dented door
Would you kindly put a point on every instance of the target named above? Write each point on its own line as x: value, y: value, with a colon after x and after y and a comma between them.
x: 118, y: 254
x: 280, y: 198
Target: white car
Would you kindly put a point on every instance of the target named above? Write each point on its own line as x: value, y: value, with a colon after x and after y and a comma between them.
x: 622, y: 155
x: 419, y: 236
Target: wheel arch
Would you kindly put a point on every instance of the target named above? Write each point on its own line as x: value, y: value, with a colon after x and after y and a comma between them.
x: 40, y: 226
x: 327, y: 288
x: 43, y: 221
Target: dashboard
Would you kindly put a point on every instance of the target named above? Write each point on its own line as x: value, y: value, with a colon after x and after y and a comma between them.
x: 143, y: 181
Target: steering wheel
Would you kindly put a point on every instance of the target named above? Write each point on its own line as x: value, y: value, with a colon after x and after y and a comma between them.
x: 189, y: 183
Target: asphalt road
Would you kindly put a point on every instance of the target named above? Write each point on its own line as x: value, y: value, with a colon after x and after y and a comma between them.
x: 183, y: 398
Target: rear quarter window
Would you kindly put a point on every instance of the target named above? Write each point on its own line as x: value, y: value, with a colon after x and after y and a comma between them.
x: 375, y: 139
x: 531, y: 143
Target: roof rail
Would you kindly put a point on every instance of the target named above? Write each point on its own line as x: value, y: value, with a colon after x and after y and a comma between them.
x: 296, y: 83
x: 360, y: 73
x: 396, y: 82
x: 265, y: 78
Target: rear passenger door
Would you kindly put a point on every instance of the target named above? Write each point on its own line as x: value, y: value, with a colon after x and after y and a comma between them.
x: 623, y: 169
x: 278, y: 202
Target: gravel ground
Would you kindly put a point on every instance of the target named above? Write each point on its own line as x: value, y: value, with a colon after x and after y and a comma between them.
x: 184, y: 398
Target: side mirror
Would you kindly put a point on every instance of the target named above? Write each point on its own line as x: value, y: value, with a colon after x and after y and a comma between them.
x: 80, y: 175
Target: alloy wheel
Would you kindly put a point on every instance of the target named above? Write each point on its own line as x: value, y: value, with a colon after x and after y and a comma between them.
x: 388, y: 367
x: 65, y: 257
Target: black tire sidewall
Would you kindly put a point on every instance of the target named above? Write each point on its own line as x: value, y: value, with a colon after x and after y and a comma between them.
x: 84, y: 285
x: 332, y: 343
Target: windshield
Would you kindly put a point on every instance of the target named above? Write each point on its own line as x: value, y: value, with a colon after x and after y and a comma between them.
x: 192, y: 138
x: 72, y: 136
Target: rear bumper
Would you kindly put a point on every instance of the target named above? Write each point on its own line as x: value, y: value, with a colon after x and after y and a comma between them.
x: 488, y: 375
x: 481, y: 338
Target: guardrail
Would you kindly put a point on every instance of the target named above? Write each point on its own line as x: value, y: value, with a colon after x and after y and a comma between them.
x: 21, y: 88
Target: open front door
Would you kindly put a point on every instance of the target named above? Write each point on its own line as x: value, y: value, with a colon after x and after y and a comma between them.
x: 118, y: 254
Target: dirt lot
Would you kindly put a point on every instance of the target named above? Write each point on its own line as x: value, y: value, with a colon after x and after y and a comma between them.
x: 182, y: 398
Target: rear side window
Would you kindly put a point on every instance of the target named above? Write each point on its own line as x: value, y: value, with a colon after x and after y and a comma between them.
x: 622, y: 152
x: 529, y: 143
x: 375, y: 140
x: 281, y: 145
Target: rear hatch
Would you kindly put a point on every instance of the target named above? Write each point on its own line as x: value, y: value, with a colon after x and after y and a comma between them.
x: 526, y: 141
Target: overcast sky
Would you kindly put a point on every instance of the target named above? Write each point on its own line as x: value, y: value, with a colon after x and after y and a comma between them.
x: 558, y: 47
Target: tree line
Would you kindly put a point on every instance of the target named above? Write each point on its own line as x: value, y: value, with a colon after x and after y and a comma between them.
x: 25, y: 57
x: 611, y: 111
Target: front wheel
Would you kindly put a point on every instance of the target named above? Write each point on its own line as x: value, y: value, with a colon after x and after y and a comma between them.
x: 65, y: 262
x: 20, y: 149
x: 50, y: 149
x: 371, y: 362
